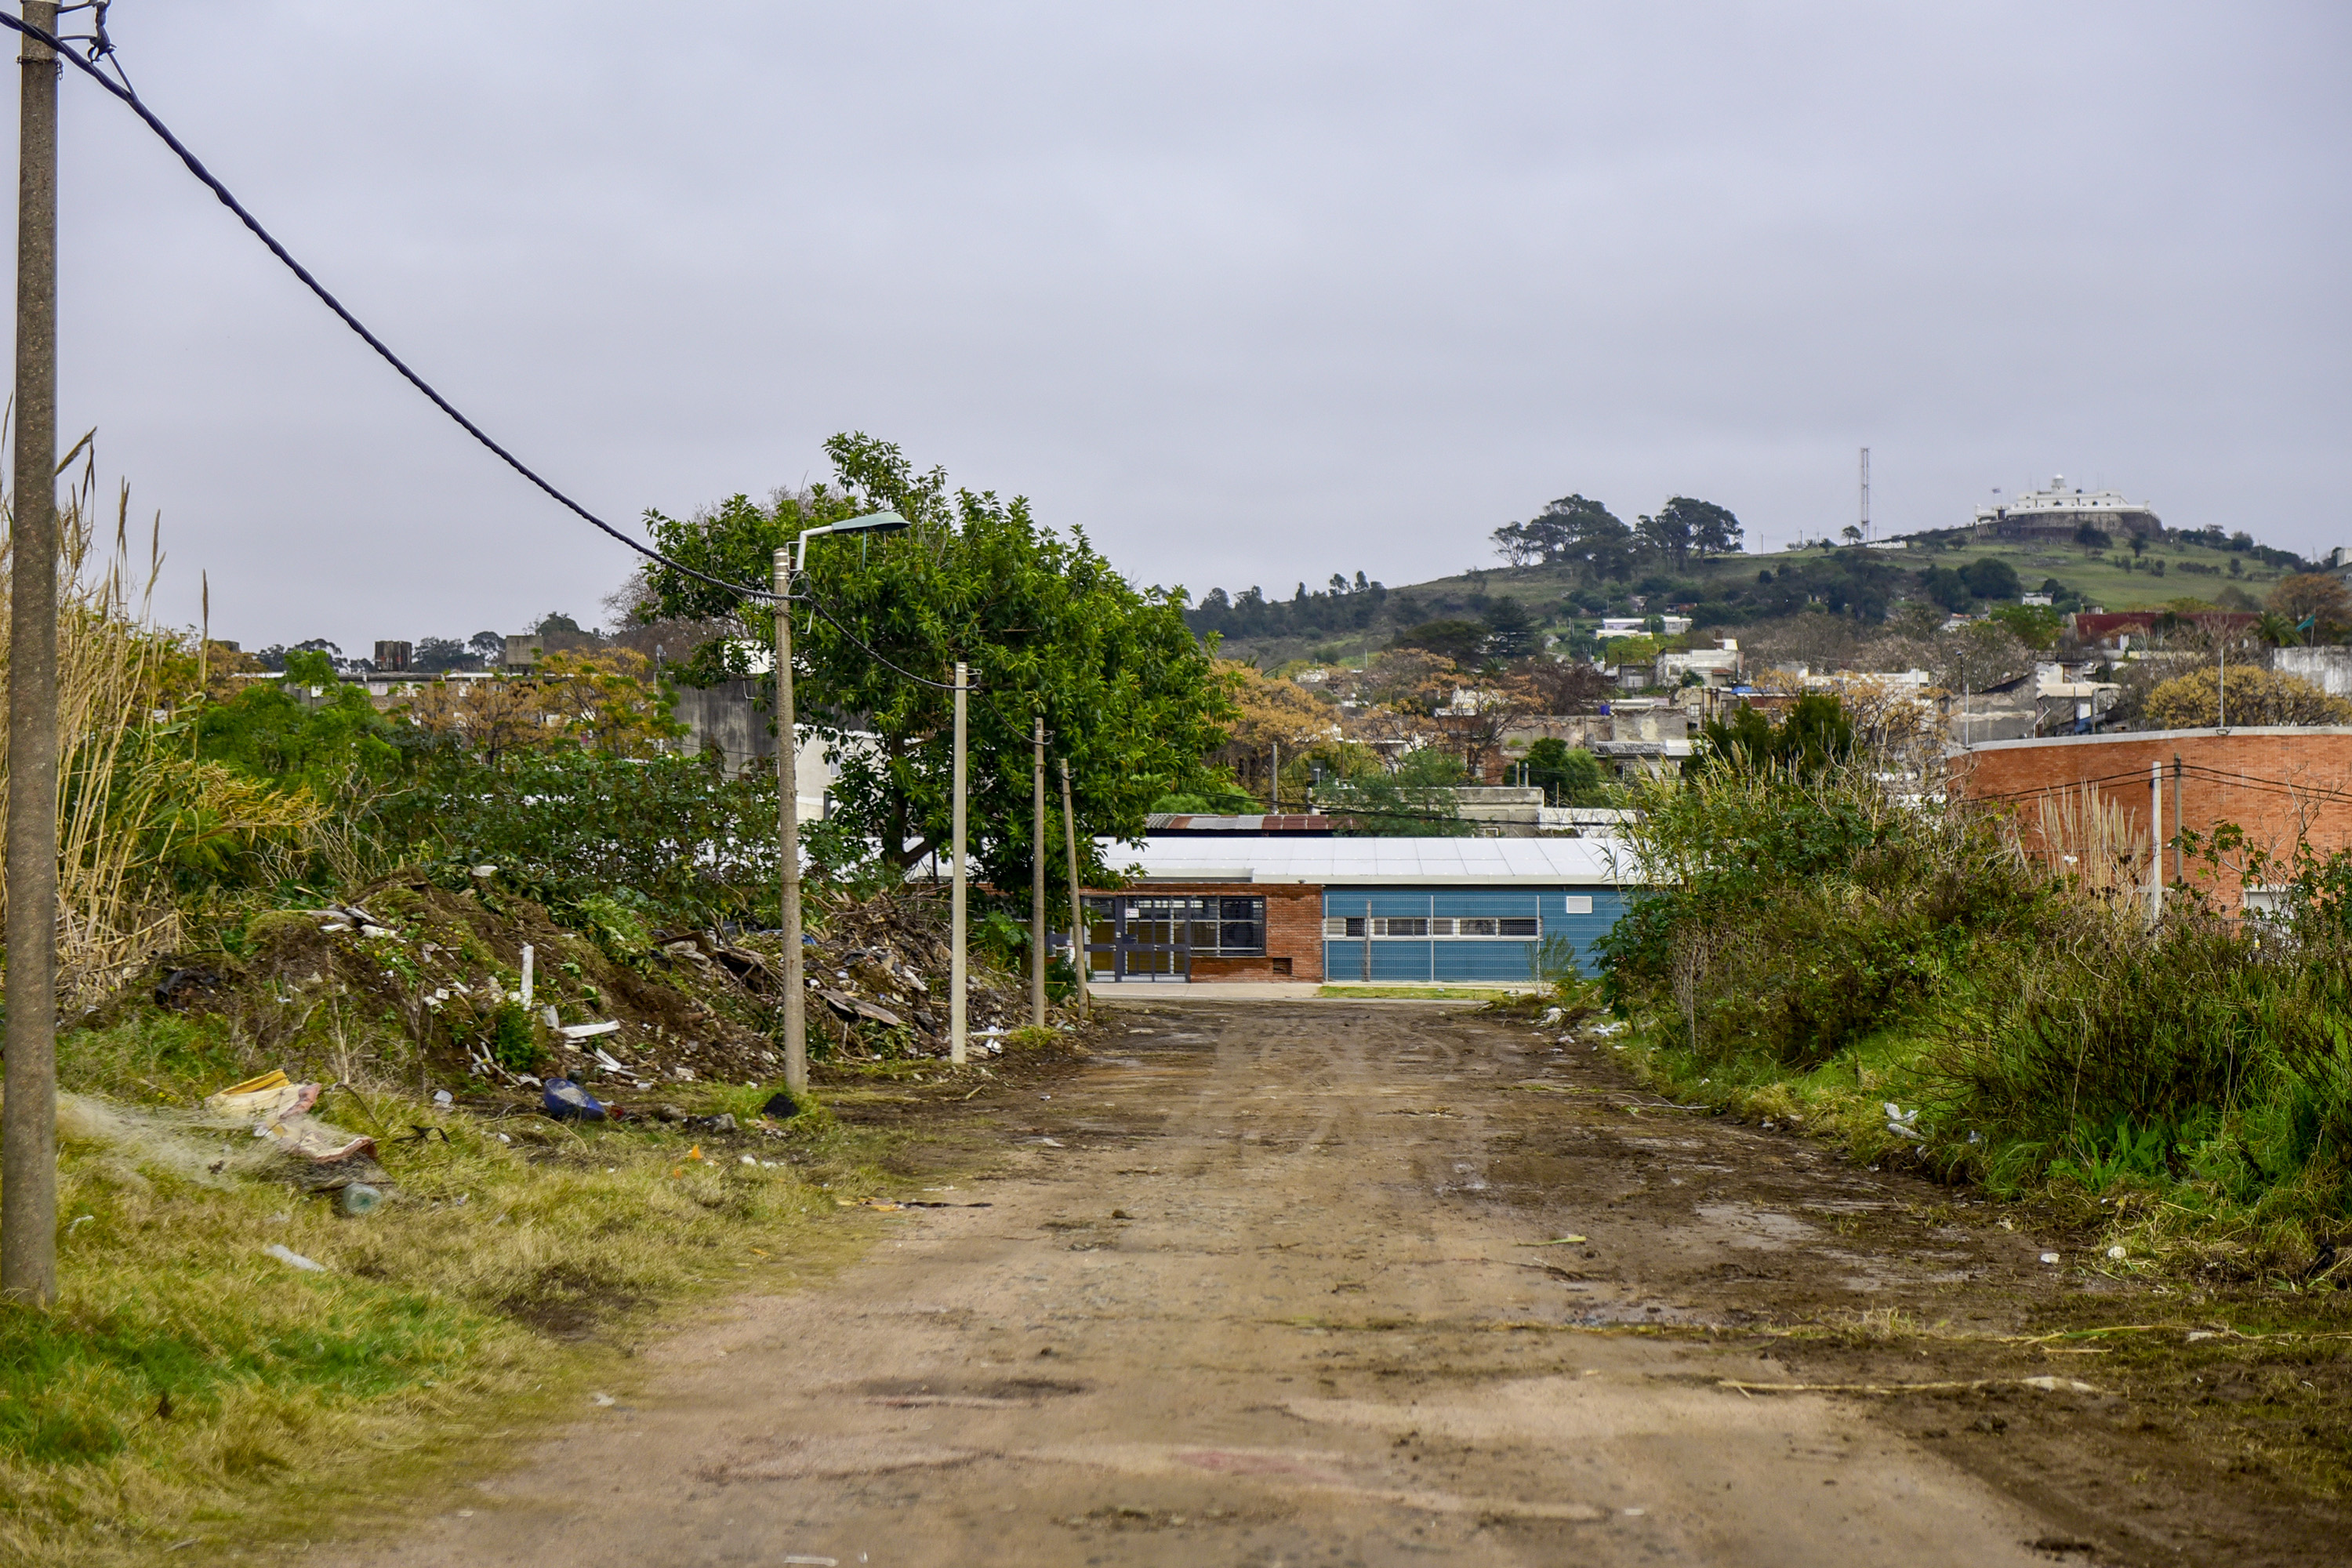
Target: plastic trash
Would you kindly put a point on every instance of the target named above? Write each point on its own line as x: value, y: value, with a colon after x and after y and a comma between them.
x: 781, y: 1106
x: 2049, y: 1258
x: 359, y: 1198
x: 287, y: 1255
x: 2116, y: 1253
x: 1903, y: 1123
x: 567, y: 1101
x: 269, y: 1098
x: 443, y: 1099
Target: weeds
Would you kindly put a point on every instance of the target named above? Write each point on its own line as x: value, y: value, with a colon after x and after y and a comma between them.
x: 1817, y: 954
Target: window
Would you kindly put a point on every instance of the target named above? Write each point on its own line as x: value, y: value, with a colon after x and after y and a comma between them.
x: 1419, y: 928
x: 1239, y: 927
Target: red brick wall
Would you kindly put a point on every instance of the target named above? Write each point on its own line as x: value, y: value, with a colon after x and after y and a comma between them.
x: 2281, y: 786
x: 1294, y: 930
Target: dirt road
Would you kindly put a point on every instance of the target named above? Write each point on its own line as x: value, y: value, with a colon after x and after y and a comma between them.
x: 1287, y: 1284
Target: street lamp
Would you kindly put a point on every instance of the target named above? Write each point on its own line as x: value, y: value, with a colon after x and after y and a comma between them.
x: 789, y: 562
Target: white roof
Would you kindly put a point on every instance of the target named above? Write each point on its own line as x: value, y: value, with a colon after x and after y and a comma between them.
x: 1284, y: 857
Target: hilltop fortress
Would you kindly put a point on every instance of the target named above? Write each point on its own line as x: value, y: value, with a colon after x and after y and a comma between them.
x: 2057, y: 514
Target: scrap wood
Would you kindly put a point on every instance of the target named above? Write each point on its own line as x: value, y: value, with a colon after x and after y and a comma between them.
x: 2040, y: 1384
x: 848, y: 1006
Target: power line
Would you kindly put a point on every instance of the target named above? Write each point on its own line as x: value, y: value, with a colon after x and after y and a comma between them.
x: 101, y: 47
x: 228, y: 199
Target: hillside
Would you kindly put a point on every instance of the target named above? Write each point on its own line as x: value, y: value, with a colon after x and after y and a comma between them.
x: 1735, y: 594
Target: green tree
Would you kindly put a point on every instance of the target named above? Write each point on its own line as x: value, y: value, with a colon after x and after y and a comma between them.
x: 1415, y: 800
x: 1463, y: 642
x: 1992, y: 578
x: 1814, y: 737
x: 1583, y: 533
x: 1511, y: 631
x: 1568, y: 775
x: 1708, y: 529
x: 1048, y: 627
x: 2036, y: 625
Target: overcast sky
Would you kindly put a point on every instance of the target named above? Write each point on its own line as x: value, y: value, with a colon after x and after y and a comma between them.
x: 1255, y: 293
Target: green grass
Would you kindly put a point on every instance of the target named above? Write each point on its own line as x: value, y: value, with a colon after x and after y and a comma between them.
x: 2101, y: 582
x: 188, y: 1386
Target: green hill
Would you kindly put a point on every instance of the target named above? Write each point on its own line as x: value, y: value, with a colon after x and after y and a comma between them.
x: 1726, y: 595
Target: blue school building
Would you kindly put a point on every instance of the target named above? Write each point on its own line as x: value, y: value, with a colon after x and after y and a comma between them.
x: 1230, y: 907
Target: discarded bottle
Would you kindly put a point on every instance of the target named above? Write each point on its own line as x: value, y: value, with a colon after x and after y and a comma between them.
x: 359, y: 1198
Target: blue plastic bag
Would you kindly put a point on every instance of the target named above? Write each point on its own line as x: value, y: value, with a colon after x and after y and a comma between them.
x: 567, y: 1101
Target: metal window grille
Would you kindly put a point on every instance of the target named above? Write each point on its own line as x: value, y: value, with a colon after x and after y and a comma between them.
x: 1419, y: 928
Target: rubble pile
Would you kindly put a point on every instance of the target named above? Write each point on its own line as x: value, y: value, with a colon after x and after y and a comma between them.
x: 881, y: 966
x: 496, y: 996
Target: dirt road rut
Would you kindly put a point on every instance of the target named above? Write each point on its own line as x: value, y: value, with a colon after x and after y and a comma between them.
x: 1288, y: 1284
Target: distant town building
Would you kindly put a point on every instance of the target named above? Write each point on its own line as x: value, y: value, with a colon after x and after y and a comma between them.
x: 392, y: 656
x: 2059, y: 513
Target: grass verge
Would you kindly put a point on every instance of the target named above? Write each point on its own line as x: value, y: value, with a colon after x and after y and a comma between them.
x: 192, y: 1387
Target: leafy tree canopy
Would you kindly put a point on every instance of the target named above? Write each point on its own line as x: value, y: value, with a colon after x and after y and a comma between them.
x: 1568, y: 775
x: 1815, y: 736
x: 2036, y: 625
x: 1463, y: 642
x: 1414, y: 800
x: 1048, y: 627
x: 1511, y: 631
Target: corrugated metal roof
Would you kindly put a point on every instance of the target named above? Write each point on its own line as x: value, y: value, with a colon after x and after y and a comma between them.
x: 1365, y: 862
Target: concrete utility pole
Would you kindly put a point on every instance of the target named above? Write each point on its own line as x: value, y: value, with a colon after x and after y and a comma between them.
x: 1078, y: 908
x: 28, y: 1136
x: 795, y: 1022
x: 2154, y: 842
x: 959, y: 1049
x: 1037, y: 885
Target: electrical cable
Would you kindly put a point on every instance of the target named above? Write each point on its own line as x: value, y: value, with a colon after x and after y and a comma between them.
x: 102, y: 48
x: 814, y: 603
x: 227, y: 199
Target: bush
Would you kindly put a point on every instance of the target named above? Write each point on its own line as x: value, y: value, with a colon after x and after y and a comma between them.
x: 695, y: 844
x: 2049, y: 1036
x: 1789, y: 914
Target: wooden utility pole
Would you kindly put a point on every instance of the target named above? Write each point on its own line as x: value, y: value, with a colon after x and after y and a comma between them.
x: 795, y: 1022
x: 958, y: 1047
x: 1037, y: 885
x: 28, y: 1131
x: 1078, y: 908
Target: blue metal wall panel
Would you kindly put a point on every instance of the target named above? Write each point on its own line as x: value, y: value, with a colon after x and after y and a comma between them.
x: 1405, y: 960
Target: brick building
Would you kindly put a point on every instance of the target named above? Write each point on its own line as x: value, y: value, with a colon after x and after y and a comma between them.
x: 1328, y: 909
x: 2281, y: 786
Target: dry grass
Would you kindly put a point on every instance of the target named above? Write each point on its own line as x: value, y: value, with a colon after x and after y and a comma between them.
x: 132, y: 799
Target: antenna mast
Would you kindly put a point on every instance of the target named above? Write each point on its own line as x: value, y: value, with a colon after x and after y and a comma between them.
x: 1865, y: 492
